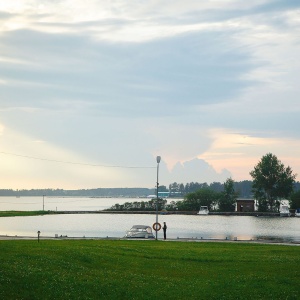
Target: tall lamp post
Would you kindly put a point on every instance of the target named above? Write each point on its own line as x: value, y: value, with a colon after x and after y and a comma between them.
x: 157, y: 184
x: 43, y: 203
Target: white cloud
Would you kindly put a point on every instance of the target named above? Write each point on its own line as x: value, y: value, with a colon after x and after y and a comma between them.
x: 240, y: 152
x: 121, y: 82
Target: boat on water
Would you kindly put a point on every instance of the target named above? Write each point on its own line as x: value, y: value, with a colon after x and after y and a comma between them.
x: 140, y: 231
x: 203, y: 210
x: 284, y: 211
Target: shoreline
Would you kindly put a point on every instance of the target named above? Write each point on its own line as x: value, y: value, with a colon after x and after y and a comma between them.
x: 13, y: 213
x: 254, y: 214
x: 197, y: 240
x: 17, y: 213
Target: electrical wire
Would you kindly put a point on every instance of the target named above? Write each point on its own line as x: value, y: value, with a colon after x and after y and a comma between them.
x: 76, y: 163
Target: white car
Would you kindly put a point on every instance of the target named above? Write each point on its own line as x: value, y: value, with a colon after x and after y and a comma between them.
x: 140, y: 231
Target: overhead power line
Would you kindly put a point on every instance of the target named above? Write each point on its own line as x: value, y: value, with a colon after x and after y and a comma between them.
x: 76, y: 163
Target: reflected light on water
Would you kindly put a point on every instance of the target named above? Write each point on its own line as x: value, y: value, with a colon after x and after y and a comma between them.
x: 179, y: 226
x: 115, y: 225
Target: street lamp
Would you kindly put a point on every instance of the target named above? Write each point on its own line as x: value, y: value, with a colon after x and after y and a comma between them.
x: 43, y: 203
x: 157, y: 184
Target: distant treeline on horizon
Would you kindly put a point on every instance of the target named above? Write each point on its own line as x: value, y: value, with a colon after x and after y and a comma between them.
x: 243, y: 188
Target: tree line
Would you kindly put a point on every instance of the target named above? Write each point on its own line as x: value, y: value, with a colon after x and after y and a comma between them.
x: 204, y: 196
x: 243, y: 188
x: 98, y: 192
x: 149, y: 205
x: 272, y: 183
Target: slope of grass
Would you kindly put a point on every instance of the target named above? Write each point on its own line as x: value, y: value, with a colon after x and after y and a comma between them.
x: 68, y: 269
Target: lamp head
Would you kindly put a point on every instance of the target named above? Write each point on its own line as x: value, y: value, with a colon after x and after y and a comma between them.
x: 158, y: 159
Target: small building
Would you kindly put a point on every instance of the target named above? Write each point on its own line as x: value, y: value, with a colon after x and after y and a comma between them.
x: 245, y: 205
x: 163, y: 194
x: 160, y: 195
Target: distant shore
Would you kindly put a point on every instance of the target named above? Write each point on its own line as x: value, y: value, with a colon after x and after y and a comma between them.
x: 256, y: 214
x: 49, y: 212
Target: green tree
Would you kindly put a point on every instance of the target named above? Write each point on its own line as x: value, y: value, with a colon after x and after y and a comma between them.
x: 201, y: 197
x: 295, y: 200
x: 174, y: 188
x: 162, y: 188
x: 181, y: 188
x: 272, y: 181
x: 141, y: 206
x: 228, y: 197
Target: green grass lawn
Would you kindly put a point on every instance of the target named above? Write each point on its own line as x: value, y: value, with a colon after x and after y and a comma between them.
x: 99, y: 269
x: 16, y: 213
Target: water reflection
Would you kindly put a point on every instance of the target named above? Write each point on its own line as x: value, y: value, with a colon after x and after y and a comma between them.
x: 182, y: 226
x: 60, y: 203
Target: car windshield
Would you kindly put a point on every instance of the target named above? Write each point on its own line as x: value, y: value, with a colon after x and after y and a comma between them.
x: 147, y: 229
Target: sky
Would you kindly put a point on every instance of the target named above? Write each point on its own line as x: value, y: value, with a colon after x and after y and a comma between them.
x: 91, y: 92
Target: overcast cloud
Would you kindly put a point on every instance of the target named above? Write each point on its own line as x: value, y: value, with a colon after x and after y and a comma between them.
x: 211, y: 87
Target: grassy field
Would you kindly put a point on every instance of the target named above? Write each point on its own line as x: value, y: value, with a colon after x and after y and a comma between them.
x: 16, y: 213
x: 96, y: 269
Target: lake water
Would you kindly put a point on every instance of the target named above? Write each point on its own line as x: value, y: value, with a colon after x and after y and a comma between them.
x: 61, y: 203
x: 115, y: 225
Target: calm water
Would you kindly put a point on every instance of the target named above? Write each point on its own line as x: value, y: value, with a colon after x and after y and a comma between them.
x: 112, y: 225
x: 61, y: 203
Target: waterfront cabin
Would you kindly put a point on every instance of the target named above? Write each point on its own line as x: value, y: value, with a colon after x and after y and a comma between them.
x: 245, y: 205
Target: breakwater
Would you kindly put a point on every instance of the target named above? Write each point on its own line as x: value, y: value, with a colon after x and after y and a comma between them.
x: 255, y: 214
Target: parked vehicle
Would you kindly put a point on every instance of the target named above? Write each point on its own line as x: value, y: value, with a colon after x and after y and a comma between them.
x: 284, y: 211
x: 203, y: 210
x: 140, y: 231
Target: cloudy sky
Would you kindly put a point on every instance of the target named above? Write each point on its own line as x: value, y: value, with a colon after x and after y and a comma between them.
x: 92, y: 91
